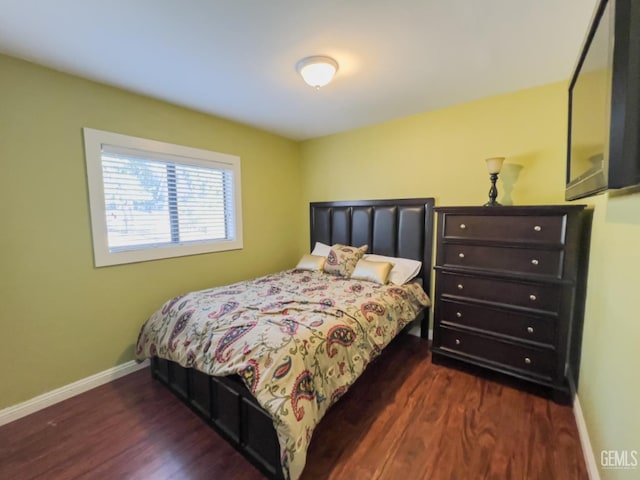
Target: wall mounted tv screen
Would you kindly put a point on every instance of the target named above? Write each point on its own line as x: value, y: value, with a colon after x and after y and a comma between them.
x: 604, y: 104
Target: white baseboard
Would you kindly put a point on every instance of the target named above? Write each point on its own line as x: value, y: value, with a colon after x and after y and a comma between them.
x: 585, y: 442
x: 8, y: 415
x: 415, y: 331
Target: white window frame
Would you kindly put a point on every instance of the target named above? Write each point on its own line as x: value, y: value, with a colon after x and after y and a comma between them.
x: 93, y: 143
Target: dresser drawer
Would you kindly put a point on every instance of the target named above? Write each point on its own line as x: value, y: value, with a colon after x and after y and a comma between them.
x: 527, y: 359
x: 507, y: 292
x: 514, y: 260
x: 506, y: 228
x: 515, y: 324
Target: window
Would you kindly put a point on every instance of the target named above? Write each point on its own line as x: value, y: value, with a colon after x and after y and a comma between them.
x: 153, y: 200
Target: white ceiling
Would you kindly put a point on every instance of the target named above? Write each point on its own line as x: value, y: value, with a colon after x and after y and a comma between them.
x: 236, y: 58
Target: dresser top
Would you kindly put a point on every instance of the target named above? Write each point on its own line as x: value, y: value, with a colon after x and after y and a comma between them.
x: 513, y: 210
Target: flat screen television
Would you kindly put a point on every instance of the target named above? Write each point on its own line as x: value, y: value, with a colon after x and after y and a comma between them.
x: 603, y: 149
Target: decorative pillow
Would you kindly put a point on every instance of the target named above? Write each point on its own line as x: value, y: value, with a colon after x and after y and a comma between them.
x: 377, y: 272
x: 321, y: 249
x: 342, y: 259
x: 311, y: 262
x: 404, y: 269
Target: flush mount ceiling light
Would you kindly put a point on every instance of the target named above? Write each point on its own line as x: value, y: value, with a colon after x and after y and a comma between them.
x: 317, y: 71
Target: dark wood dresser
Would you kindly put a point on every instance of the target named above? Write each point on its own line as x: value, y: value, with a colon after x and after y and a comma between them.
x: 510, y: 284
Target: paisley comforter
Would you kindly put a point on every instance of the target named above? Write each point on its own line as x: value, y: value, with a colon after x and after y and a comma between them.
x: 298, y: 339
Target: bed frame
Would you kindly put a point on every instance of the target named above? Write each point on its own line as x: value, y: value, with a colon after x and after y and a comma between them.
x: 398, y: 228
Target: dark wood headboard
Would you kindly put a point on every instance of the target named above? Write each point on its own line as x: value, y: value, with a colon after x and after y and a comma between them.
x: 396, y: 228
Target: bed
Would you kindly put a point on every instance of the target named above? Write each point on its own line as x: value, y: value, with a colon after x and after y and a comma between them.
x: 263, y: 360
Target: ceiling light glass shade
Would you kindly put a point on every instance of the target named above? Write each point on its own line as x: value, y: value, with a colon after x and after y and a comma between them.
x: 317, y: 71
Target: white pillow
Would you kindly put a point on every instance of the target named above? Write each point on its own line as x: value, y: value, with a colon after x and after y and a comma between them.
x: 321, y: 250
x: 311, y: 262
x: 403, y: 271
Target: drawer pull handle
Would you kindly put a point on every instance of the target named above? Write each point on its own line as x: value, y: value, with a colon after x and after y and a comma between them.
x: 462, y: 226
x: 459, y: 314
x: 457, y: 341
x: 460, y: 286
x: 461, y: 255
x: 537, y: 228
x: 527, y: 360
x: 533, y: 298
x: 535, y: 261
x: 530, y: 329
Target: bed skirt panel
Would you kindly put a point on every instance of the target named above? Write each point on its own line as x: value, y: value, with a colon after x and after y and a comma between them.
x: 228, y: 406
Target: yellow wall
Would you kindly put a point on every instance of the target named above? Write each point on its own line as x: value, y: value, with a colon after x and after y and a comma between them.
x: 441, y: 154
x: 609, y: 389
x: 61, y: 318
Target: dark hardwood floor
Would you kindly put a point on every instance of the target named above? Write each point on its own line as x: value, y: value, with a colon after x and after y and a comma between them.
x: 404, y: 419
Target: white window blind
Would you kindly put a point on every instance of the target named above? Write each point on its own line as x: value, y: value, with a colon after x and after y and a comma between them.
x: 168, y: 200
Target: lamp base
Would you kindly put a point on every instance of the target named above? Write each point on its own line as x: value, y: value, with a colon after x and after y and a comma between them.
x: 493, y: 192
